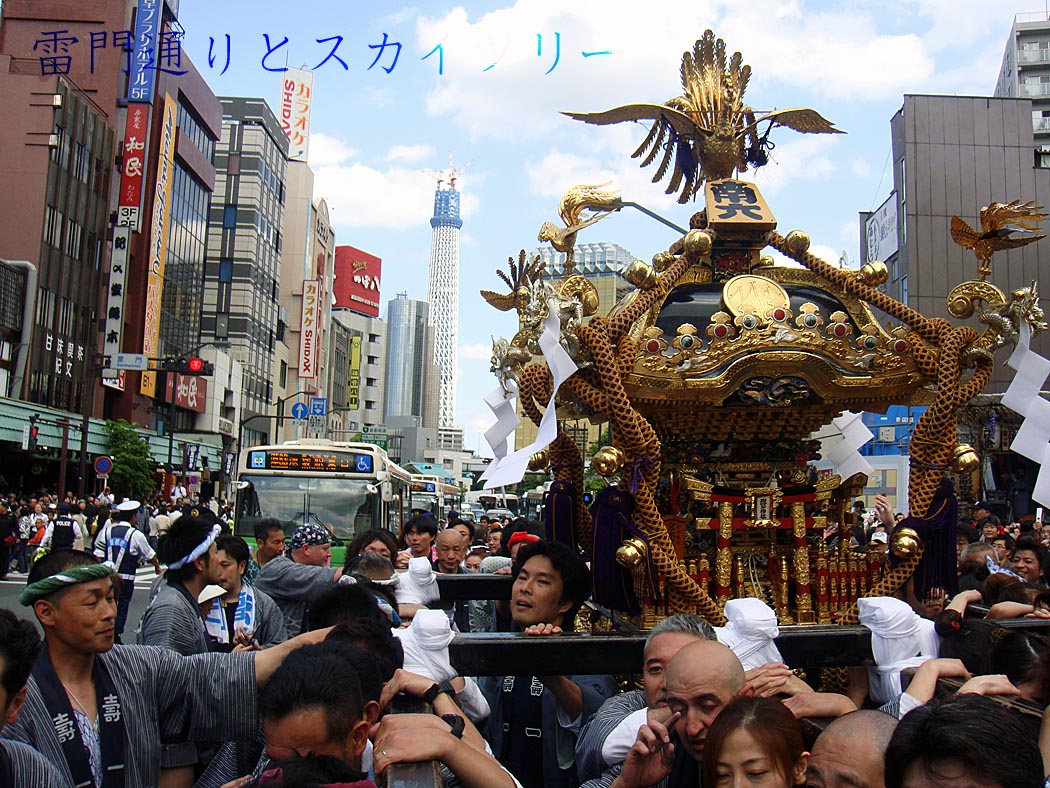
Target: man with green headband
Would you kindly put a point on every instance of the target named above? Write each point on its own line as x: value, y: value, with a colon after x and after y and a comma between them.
x: 99, y: 712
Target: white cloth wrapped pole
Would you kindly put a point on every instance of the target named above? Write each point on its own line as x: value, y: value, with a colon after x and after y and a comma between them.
x: 900, y: 638
x: 751, y: 627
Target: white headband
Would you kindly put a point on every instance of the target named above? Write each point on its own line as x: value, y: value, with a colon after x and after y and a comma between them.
x: 197, y: 551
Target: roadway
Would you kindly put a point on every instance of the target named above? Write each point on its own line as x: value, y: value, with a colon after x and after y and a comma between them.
x: 15, y: 582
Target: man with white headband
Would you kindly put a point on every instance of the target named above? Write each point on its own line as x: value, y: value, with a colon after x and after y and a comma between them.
x: 293, y: 580
x: 99, y: 712
x: 173, y: 618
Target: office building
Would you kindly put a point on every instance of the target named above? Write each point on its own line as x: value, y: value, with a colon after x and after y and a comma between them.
x: 242, y: 277
x: 356, y: 373
x: 412, y: 379
x: 443, y: 293
x: 1025, y: 73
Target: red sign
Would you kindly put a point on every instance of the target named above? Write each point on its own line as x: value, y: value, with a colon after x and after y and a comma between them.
x: 357, y: 276
x: 131, y: 172
x: 191, y: 392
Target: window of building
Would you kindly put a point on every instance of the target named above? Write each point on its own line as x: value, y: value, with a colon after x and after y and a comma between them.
x: 80, y: 162
x: 370, y: 404
x: 226, y: 269
x: 373, y: 359
x: 73, y: 236
x: 282, y: 378
x: 52, y: 225
x: 371, y: 382
x: 373, y: 337
x: 229, y: 216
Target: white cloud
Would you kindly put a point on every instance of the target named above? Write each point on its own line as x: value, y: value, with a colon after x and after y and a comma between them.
x: 381, y: 97
x: 326, y: 150
x: 475, y: 352
x: 798, y: 158
x: 410, y: 153
x: 861, y: 168
x: 363, y: 196
x: 821, y: 51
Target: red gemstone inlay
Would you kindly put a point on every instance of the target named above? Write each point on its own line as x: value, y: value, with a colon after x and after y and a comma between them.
x: 721, y: 331
x: 840, y: 330
x: 653, y: 345
x: 779, y: 314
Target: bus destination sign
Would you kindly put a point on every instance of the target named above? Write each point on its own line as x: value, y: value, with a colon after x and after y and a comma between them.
x: 310, y: 461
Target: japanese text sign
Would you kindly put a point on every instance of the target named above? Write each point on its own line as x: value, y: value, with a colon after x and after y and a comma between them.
x: 308, y: 329
x: 297, y: 88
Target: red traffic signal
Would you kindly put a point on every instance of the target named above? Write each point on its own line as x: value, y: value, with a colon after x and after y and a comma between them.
x: 187, y: 365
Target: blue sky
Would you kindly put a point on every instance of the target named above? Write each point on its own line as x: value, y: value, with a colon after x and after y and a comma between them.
x: 378, y: 137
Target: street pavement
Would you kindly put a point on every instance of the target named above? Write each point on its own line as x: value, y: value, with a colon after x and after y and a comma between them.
x: 15, y: 582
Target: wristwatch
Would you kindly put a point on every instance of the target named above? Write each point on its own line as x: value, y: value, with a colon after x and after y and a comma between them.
x: 436, y: 689
x: 457, y: 724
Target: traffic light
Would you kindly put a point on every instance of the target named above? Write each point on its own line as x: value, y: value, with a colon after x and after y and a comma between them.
x: 188, y: 365
x: 34, y: 432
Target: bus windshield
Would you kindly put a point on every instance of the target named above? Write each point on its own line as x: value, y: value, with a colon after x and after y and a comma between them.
x: 344, y: 507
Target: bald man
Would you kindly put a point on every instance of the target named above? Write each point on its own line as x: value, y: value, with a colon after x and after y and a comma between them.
x: 851, y: 751
x: 701, y: 680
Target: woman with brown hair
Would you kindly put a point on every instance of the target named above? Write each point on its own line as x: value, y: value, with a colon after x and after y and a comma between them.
x: 754, y: 742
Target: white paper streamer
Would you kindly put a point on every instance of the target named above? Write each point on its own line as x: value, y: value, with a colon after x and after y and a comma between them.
x: 1033, y: 436
x: 843, y: 454
x: 510, y: 468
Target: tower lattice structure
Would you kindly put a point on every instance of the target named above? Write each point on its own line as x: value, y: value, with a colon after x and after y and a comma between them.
x: 443, y: 294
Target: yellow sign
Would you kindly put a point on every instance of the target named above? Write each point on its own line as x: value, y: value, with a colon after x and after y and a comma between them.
x: 158, y: 242
x: 354, y: 389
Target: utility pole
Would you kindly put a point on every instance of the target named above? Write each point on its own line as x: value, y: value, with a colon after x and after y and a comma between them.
x: 63, y: 456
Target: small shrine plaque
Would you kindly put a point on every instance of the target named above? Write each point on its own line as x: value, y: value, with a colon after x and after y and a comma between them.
x: 737, y: 208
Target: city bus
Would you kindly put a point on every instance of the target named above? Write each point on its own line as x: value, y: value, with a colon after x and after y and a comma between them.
x: 491, y: 499
x: 434, y: 494
x: 346, y: 488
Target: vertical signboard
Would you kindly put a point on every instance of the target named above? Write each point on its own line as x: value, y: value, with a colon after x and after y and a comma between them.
x: 158, y: 242
x: 144, y: 51
x: 118, y: 264
x: 297, y: 87
x: 308, y: 329
x: 880, y: 232
x: 354, y: 389
x: 136, y: 135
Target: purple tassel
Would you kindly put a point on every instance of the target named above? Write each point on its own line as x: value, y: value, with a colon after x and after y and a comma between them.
x: 611, y: 584
x: 937, y: 568
x: 559, y: 514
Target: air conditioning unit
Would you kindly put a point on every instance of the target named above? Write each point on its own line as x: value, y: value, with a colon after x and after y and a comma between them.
x: 56, y: 100
x: 887, y: 434
x: 53, y: 141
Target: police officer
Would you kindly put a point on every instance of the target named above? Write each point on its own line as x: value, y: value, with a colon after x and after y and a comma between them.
x: 122, y: 543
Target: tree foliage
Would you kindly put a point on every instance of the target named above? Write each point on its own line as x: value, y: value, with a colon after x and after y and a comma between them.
x: 133, y: 463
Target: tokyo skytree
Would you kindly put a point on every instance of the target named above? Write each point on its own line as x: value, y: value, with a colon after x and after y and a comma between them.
x: 443, y: 291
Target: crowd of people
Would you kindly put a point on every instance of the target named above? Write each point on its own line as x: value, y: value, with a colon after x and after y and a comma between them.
x: 266, y: 665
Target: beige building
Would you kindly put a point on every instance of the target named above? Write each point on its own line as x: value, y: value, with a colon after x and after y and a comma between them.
x: 307, y: 264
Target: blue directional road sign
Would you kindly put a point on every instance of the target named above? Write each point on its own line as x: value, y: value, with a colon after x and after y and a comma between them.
x: 318, y: 406
x: 299, y: 411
